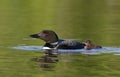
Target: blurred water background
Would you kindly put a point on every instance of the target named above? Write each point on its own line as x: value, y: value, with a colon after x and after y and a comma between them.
x: 97, y: 20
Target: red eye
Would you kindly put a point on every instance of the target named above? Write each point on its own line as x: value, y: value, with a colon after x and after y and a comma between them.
x: 46, y: 35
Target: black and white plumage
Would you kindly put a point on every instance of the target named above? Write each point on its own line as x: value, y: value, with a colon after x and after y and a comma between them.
x: 52, y: 41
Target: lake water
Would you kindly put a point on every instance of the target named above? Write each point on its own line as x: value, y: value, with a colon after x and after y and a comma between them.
x: 97, y: 20
x: 80, y: 19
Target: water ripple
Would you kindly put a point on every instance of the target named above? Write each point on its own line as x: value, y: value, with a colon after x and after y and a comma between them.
x: 92, y: 51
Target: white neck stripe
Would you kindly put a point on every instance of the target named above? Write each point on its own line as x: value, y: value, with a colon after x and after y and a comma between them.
x: 55, y: 43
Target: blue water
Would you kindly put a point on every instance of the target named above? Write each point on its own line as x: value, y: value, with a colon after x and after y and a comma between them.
x: 83, y: 51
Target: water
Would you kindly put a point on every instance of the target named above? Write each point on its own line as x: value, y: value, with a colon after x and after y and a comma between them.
x: 113, y: 50
x: 94, y: 20
x: 97, y: 20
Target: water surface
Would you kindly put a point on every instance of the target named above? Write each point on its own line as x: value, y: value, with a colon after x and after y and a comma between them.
x: 80, y: 19
x: 97, y: 20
